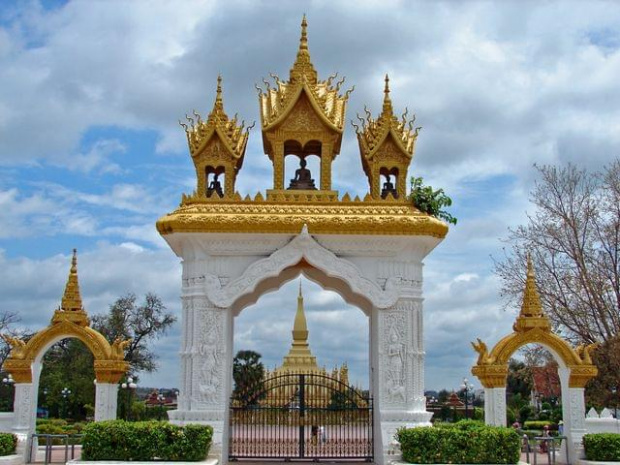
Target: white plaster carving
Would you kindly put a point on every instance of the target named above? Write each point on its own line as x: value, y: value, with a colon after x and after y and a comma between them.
x: 106, y: 398
x: 302, y: 246
x: 209, y: 357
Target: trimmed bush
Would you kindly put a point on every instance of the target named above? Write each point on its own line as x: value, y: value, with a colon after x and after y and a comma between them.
x: 603, y: 447
x: 142, y: 441
x: 540, y: 424
x: 8, y: 443
x: 464, y: 442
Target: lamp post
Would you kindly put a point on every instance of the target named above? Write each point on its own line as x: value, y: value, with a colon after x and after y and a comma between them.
x: 467, y: 387
x: 65, y: 393
x: 128, y: 386
x: 8, y: 381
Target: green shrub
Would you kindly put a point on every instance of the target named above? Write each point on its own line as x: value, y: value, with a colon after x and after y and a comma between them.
x: 464, y: 442
x: 8, y: 443
x: 604, y: 447
x: 121, y: 440
x: 540, y: 424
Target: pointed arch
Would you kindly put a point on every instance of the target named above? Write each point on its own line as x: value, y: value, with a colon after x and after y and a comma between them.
x: 303, y: 247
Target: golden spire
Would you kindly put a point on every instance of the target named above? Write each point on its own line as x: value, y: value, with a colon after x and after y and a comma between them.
x: 71, y: 299
x: 387, y: 101
x: 300, y: 328
x: 531, y: 315
x: 303, y: 68
x: 218, y: 105
x: 531, y: 300
x: 71, y: 304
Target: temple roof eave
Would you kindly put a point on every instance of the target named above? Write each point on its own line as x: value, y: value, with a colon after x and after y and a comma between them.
x: 237, y: 153
x: 289, y: 108
x: 265, y: 218
x: 396, y: 139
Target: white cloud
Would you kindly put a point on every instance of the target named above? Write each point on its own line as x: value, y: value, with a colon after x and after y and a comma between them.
x: 495, y: 86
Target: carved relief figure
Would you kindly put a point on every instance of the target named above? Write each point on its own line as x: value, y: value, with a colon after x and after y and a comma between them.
x: 210, y: 370
x: 396, y: 354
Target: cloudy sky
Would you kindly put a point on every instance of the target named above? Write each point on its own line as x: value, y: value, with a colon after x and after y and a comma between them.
x: 91, y: 153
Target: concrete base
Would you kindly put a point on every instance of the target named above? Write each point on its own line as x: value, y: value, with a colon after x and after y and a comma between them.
x: 208, y: 461
x: 11, y: 459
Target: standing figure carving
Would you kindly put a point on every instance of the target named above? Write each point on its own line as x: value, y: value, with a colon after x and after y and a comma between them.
x: 395, y: 380
x: 210, y: 369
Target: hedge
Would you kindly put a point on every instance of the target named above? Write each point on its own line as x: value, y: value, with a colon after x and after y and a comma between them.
x: 463, y: 442
x: 603, y: 447
x: 149, y: 440
x: 8, y: 443
x: 540, y: 424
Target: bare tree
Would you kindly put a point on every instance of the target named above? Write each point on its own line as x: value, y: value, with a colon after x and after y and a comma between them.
x: 574, y: 239
x: 7, y: 322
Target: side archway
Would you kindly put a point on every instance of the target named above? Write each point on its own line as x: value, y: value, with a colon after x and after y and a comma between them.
x: 532, y: 326
x: 70, y: 320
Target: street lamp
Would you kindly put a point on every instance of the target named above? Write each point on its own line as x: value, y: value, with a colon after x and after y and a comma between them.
x: 128, y: 386
x: 65, y: 393
x: 467, y: 387
x: 8, y: 381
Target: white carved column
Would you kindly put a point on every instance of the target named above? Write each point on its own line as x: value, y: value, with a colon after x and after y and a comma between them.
x: 106, y: 398
x: 495, y: 406
x: 24, y: 407
x: 574, y: 412
x: 398, y: 373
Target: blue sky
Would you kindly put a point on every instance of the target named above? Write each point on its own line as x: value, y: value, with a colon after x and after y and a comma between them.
x: 91, y: 153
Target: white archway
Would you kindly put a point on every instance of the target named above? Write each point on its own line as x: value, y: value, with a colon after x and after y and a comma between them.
x: 221, y: 276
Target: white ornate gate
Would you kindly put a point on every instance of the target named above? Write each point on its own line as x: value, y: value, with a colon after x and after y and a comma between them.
x: 369, y: 250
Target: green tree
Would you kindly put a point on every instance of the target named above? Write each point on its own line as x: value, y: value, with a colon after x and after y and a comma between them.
x: 574, y: 241
x: 431, y: 201
x: 518, y: 383
x: 141, y: 323
x: 69, y: 363
x: 248, y: 376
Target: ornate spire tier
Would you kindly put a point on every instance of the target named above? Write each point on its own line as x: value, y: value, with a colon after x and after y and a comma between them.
x: 217, y: 146
x: 386, y: 146
x: 531, y: 314
x: 302, y: 116
x: 71, y: 308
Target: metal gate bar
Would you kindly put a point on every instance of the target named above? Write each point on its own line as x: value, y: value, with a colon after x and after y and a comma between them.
x: 301, y: 417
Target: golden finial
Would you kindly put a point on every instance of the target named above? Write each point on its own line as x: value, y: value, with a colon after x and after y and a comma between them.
x: 303, y: 40
x: 218, y: 105
x: 71, y: 299
x: 300, y: 288
x: 302, y: 68
x: 387, y: 101
x: 531, y: 300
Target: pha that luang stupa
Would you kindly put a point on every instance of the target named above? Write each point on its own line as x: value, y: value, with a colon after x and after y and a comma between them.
x: 301, y: 361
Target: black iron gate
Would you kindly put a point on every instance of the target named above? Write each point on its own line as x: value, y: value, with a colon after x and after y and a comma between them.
x: 301, y: 417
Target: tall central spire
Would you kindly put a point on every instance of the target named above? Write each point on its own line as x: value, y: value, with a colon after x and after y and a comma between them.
x: 300, y: 356
x: 300, y: 328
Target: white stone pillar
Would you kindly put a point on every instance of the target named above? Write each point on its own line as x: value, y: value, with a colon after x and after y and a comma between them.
x: 24, y: 406
x: 495, y: 406
x: 106, y: 398
x: 574, y: 412
x: 399, y: 371
x: 206, y: 357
